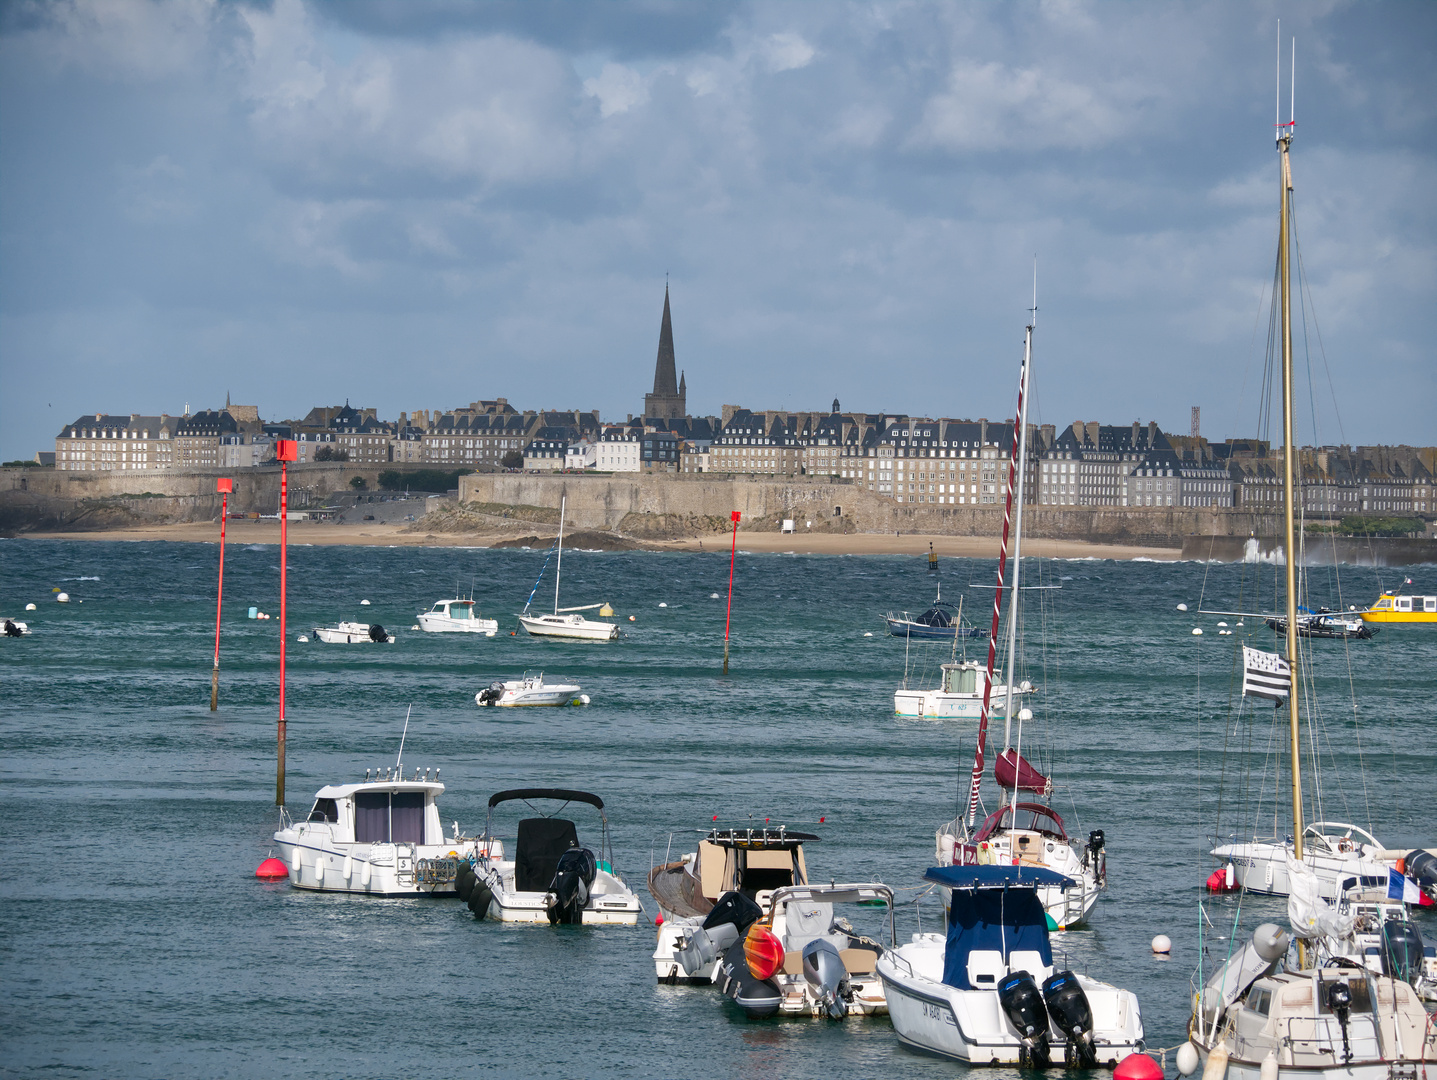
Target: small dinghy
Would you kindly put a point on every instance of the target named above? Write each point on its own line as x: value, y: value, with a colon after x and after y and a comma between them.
x: 354, y: 633
x: 530, y: 690
x: 551, y: 878
x: 753, y: 862
x: 382, y: 837
x: 802, y: 958
x: 16, y: 628
x: 989, y: 994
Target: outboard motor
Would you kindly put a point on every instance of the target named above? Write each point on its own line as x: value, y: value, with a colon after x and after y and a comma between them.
x: 1339, y: 1000
x: 728, y: 921
x: 491, y: 694
x: 1401, y: 950
x: 570, y: 887
x: 1096, y: 856
x: 378, y: 633
x: 1069, y: 1008
x: 823, y: 970
x: 1421, y: 867
x: 1023, y: 1005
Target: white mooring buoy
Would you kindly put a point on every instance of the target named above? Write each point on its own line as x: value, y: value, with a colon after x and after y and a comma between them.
x: 1182, y: 607
x: 1162, y: 945
x: 1197, y: 631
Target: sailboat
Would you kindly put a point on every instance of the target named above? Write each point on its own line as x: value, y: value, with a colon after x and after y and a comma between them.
x: 1028, y: 833
x: 1260, y: 1016
x: 566, y: 622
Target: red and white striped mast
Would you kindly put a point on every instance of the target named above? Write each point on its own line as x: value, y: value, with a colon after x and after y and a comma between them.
x: 1015, y: 480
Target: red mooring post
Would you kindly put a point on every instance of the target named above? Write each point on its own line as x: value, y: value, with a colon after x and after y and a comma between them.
x: 285, y: 451
x: 733, y: 550
x: 224, y: 487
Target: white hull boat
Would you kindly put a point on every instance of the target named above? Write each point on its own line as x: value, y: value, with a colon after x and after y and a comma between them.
x: 551, y: 879
x: 753, y: 862
x: 377, y: 838
x: 989, y: 994
x: 530, y: 691
x: 958, y: 696
x: 560, y: 625
x: 1334, y: 850
x: 354, y: 633
x: 801, y: 958
x: 456, y: 617
x: 16, y: 628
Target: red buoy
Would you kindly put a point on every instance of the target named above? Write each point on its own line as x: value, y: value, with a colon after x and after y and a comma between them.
x: 659, y: 920
x: 1217, y: 881
x: 1138, y: 1067
x: 271, y: 870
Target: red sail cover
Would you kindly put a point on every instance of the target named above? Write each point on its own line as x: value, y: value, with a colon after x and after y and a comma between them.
x: 1027, y: 777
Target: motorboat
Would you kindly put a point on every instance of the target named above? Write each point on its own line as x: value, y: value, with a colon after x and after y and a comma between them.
x: 958, y: 696
x: 354, y: 633
x: 16, y: 628
x: 1368, y: 927
x: 456, y: 617
x: 1032, y: 834
x: 941, y: 622
x: 565, y: 622
x: 1325, y: 623
x: 989, y: 993
x: 1394, y: 607
x: 1259, y: 1017
x: 379, y: 837
x: 530, y: 690
x: 753, y: 862
x: 801, y: 958
x: 1334, y: 850
x: 551, y: 879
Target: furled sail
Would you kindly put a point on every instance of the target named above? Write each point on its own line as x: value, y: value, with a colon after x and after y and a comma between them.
x: 1022, y: 775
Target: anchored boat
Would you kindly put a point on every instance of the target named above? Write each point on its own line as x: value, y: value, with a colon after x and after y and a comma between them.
x: 565, y: 622
x: 531, y: 690
x: 456, y: 617
x: 988, y: 993
x: 1392, y: 607
x: 354, y: 633
x: 941, y: 622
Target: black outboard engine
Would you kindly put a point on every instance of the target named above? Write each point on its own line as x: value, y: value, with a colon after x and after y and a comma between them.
x: 1096, y: 856
x: 491, y: 694
x: 1401, y: 950
x: 1069, y: 1008
x: 1023, y: 1005
x: 1339, y: 1000
x: 11, y: 630
x: 1421, y: 867
x: 726, y: 922
x: 570, y: 887
x: 378, y: 633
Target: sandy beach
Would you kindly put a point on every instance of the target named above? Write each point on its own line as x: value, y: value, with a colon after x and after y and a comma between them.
x: 379, y: 534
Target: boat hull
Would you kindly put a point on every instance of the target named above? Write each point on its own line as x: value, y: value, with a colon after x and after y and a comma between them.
x: 1261, y: 867
x: 577, y: 629
x: 903, y: 628
x: 339, y: 636
x: 442, y: 624
x: 936, y: 705
x: 610, y: 903
x: 367, y: 869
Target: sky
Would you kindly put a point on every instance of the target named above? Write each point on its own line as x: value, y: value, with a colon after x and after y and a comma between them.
x: 417, y: 205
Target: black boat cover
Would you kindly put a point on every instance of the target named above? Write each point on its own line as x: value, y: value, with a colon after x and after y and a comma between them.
x: 536, y: 854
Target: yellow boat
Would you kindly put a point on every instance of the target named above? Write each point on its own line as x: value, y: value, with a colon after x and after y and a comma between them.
x: 1394, y: 608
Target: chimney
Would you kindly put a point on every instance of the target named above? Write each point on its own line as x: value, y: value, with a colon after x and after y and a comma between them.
x: 1135, y: 434
x: 1093, y: 432
x: 1152, y: 433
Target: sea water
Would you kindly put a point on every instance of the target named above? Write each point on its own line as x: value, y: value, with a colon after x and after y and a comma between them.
x: 137, y: 942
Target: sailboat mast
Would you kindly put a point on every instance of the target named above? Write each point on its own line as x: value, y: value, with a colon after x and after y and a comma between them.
x: 559, y: 566
x: 1289, y: 487
x: 1017, y: 553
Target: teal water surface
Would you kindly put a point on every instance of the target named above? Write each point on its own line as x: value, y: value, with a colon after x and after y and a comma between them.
x: 136, y: 941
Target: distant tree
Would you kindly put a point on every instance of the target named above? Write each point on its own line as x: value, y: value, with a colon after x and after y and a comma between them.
x: 358, y: 483
x: 512, y: 460
x: 329, y: 453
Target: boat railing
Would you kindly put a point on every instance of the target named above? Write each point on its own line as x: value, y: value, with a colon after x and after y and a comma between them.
x: 285, y: 821
x: 1312, y: 1037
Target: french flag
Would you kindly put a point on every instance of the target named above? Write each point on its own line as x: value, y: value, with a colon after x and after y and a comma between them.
x: 1400, y: 887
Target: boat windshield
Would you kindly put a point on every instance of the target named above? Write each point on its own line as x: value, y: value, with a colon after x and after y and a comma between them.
x: 1032, y: 817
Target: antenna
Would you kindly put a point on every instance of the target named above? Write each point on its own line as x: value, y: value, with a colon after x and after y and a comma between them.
x: 399, y: 760
x: 1277, y: 93
x: 1292, y: 99
x: 1034, y: 309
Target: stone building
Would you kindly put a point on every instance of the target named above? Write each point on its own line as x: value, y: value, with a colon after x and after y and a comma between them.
x: 105, y: 443
x: 670, y: 397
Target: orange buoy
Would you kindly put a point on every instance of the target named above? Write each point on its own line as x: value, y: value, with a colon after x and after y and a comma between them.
x: 271, y: 869
x: 1138, y: 1067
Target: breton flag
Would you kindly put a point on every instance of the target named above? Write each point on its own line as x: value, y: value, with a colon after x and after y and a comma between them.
x: 1401, y: 887
x: 1265, y: 675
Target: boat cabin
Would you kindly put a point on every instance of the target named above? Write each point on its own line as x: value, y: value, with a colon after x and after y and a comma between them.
x: 460, y: 610
x: 388, y: 812
x: 751, y: 861
x: 964, y: 677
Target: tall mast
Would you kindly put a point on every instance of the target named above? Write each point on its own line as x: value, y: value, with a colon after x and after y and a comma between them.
x: 1289, y: 487
x: 1017, y: 552
x: 559, y: 566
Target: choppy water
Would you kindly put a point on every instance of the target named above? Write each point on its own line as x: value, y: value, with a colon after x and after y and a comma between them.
x: 136, y: 941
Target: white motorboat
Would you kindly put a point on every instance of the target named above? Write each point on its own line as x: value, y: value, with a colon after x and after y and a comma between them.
x: 1334, y: 850
x: 382, y: 837
x: 551, y: 879
x: 800, y: 958
x: 990, y: 994
x: 16, y: 628
x: 530, y: 690
x: 1032, y: 834
x: 566, y: 622
x: 354, y: 633
x: 958, y: 696
x: 456, y: 617
x: 753, y: 862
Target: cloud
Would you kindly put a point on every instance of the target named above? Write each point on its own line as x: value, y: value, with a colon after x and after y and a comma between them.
x: 785, y: 52
x: 618, y: 89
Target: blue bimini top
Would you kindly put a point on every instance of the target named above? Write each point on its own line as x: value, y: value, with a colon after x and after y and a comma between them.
x: 993, y: 909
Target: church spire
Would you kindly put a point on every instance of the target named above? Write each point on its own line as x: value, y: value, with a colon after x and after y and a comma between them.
x: 669, y: 399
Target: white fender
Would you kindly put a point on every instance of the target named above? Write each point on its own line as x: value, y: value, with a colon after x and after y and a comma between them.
x: 1216, y: 1067
x: 294, y: 861
x: 348, y: 867
x: 364, y: 875
x: 319, y: 870
x: 1187, y: 1059
x: 1268, y: 1069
